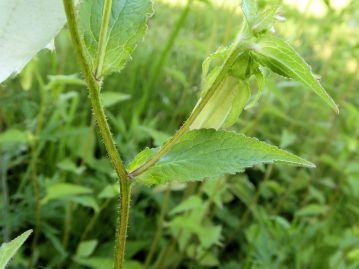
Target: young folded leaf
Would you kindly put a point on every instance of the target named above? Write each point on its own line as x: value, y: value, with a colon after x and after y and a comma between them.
x: 126, y: 28
x: 265, y: 20
x: 282, y: 59
x: 208, y: 153
x: 8, y: 250
x: 230, y: 97
x: 225, y: 106
x: 249, y: 8
x: 260, y: 82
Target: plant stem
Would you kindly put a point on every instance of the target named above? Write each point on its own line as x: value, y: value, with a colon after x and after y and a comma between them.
x: 122, y: 223
x: 99, y: 113
x: 198, y: 109
x: 94, y: 90
x: 103, y: 38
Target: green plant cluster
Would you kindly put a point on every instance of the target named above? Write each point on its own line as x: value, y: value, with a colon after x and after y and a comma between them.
x: 267, y: 216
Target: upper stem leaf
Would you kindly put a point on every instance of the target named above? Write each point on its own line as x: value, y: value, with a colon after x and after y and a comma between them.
x: 282, y: 59
x: 126, y: 27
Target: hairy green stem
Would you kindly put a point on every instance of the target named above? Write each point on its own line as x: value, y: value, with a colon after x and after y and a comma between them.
x: 122, y: 223
x: 198, y: 109
x: 103, y: 38
x: 99, y: 113
x: 94, y: 90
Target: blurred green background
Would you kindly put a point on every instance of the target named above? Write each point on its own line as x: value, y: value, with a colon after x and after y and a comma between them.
x: 268, y: 217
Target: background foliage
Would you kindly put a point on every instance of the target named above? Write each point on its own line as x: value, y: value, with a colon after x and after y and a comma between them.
x: 268, y: 217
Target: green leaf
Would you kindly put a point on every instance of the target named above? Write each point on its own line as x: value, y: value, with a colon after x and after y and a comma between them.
x: 95, y: 262
x: 206, y: 153
x: 353, y: 255
x: 190, y: 203
x: 15, y: 136
x: 86, y: 248
x: 249, y: 8
x: 158, y: 137
x: 213, y: 62
x: 282, y: 59
x: 225, y: 106
x: 112, y: 98
x: 26, y: 27
x: 260, y: 82
x: 265, y: 20
x: 140, y: 159
x: 312, y: 210
x: 240, y: 99
x: 86, y: 201
x: 126, y: 28
x: 72, y: 79
x: 8, y: 250
x: 64, y: 190
x: 110, y: 191
x: 69, y: 166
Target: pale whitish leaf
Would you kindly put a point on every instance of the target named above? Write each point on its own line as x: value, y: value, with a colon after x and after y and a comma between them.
x: 8, y: 250
x: 208, y: 153
x: 64, y: 190
x: 281, y: 58
x: 127, y: 26
x: 113, y: 98
x: 26, y: 27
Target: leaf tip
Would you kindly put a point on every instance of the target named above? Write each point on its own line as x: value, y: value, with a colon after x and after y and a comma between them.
x: 336, y: 109
x: 311, y: 165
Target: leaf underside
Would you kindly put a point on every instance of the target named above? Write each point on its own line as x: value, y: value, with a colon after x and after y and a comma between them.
x: 207, y: 153
x: 26, y: 27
